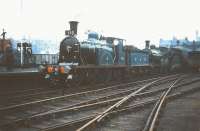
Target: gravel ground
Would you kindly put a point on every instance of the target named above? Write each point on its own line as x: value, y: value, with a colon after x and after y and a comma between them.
x: 182, y: 114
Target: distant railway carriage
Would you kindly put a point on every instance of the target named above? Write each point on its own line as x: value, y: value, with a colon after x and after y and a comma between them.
x: 43, y: 59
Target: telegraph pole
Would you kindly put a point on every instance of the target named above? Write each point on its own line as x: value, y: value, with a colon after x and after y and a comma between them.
x: 21, y: 48
x: 21, y: 6
x: 197, y: 35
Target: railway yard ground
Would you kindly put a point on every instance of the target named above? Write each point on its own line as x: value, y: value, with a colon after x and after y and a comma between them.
x: 167, y: 102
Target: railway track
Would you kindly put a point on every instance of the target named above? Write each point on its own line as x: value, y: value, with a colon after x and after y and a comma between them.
x: 154, y: 115
x: 180, y: 114
x: 35, y: 94
x: 117, y: 105
x: 15, y: 83
x: 34, y: 115
x: 73, y: 115
x: 64, y: 97
x: 133, y: 116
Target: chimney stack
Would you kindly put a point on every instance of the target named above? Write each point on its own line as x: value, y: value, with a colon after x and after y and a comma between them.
x: 73, y: 27
x: 147, y: 45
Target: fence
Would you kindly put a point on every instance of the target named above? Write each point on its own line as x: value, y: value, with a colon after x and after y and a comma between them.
x: 39, y: 59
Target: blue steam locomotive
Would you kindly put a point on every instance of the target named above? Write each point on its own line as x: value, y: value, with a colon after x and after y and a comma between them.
x: 96, y: 59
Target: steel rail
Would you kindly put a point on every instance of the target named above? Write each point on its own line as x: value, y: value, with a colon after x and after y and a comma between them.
x: 75, y: 94
x: 130, y: 107
x: 24, y: 92
x: 116, y: 105
x: 85, y: 104
x: 160, y: 105
x: 150, y: 124
x: 138, y: 105
x: 152, y: 113
x: 78, y: 106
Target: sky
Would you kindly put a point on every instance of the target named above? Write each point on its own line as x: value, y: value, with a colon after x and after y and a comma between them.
x: 133, y: 20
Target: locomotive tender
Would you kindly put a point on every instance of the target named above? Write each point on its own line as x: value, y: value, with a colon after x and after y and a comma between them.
x: 96, y: 59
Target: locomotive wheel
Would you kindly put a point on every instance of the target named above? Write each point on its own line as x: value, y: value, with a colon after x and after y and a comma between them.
x: 103, y: 76
x: 85, y: 76
x: 92, y: 77
x: 76, y: 79
x: 75, y: 82
x: 96, y: 76
x: 116, y: 75
x: 108, y: 76
x: 100, y: 76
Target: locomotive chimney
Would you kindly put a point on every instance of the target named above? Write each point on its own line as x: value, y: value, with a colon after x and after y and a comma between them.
x: 73, y: 27
x: 147, y: 44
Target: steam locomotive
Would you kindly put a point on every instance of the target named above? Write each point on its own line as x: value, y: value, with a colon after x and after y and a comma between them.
x: 183, y: 55
x: 96, y: 59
